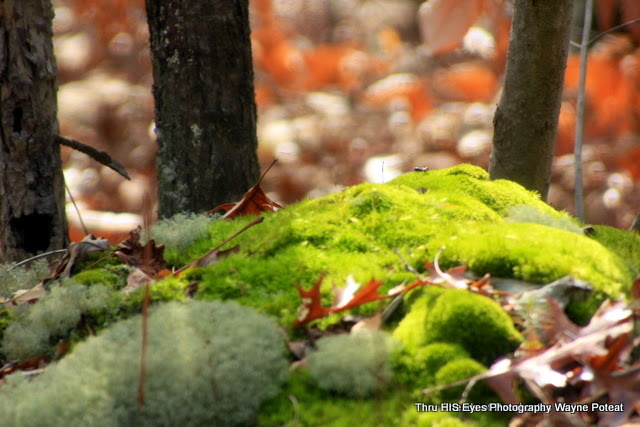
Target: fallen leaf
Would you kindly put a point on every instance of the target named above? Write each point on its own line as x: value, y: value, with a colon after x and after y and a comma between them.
x: 148, y: 258
x: 372, y: 323
x: 253, y: 202
x: 77, y: 251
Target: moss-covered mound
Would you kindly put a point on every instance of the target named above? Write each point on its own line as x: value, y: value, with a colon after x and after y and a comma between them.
x: 356, y: 232
x: 370, y: 230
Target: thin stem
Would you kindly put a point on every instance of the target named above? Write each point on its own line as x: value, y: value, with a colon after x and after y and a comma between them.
x: 579, y: 192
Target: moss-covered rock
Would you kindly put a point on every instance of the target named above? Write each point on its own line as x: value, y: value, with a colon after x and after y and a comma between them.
x: 356, y: 231
x: 417, y: 366
x: 474, y: 322
x: 494, y: 227
x: 460, y: 369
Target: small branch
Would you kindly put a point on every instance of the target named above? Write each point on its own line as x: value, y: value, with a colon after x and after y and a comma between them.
x: 46, y: 254
x: 84, y: 227
x: 97, y: 155
x: 258, y: 220
x: 577, y: 150
x: 611, y: 30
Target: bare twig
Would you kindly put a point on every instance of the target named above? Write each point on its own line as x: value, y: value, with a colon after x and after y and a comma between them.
x: 84, y: 227
x: 33, y: 258
x: 224, y: 242
x: 577, y: 150
x: 97, y: 155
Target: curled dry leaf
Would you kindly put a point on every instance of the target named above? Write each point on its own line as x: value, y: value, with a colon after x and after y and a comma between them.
x: 254, y: 202
x: 148, y: 258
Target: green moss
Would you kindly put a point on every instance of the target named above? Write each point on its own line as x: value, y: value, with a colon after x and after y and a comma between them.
x: 417, y: 366
x: 356, y: 231
x: 302, y: 403
x: 411, y: 417
x: 474, y: 322
x: 624, y: 244
x: 13, y: 278
x: 461, y: 369
x: 533, y: 253
x: 114, y: 277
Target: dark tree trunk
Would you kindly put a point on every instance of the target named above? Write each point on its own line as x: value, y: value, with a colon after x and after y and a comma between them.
x: 32, y: 215
x: 526, y: 121
x: 205, y: 106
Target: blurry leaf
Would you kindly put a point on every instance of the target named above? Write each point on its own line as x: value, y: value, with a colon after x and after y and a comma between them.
x: 253, y: 202
x: 311, y: 304
x: 443, y: 23
x: 148, y: 258
x: 136, y: 279
x: 28, y: 365
x: 23, y: 296
x: 76, y: 252
x: 370, y: 323
x: 606, y: 13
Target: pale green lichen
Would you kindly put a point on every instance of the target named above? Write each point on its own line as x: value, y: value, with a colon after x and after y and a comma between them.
x: 207, y: 364
x: 51, y: 318
x: 353, y: 364
x: 26, y: 276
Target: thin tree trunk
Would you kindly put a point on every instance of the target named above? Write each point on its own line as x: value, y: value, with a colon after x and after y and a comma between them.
x: 205, y: 107
x: 32, y: 215
x: 526, y: 121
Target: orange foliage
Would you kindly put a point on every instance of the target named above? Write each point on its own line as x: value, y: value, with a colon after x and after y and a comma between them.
x: 630, y: 162
x: 320, y: 66
x: 413, y: 90
x: 566, y: 130
x: 467, y: 82
x: 612, y: 89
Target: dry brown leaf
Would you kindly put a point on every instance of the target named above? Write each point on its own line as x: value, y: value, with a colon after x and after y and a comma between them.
x: 148, y: 258
x: 254, y: 202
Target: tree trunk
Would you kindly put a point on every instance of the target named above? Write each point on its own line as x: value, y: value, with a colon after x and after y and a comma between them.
x: 526, y: 121
x: 205, y: 106
x: 32, y: 208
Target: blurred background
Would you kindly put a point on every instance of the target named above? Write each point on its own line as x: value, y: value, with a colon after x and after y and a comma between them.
x: 347, y: 91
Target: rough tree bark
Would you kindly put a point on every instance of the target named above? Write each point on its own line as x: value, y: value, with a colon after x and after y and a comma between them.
x: 526, y: 121
x: 32, y: 215
x: 205, y: 106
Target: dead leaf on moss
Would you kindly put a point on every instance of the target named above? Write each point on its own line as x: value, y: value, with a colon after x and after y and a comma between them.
x: 23, y: 296
x: 372, y: 323
x: 77, y: 251
x: 148, y: 258
x: 136, y: 279
x: 254, y: 202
